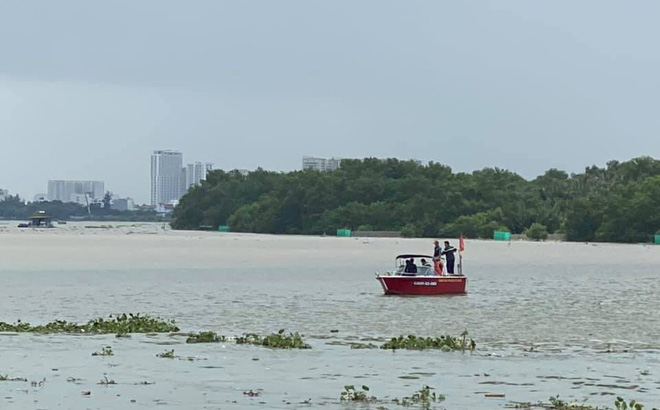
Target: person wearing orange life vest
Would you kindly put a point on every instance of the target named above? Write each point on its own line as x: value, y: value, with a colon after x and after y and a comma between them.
x: 437, y: 258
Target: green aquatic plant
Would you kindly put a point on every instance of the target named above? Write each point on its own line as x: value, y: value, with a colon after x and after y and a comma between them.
x: 39, y: 383
x: 131, y: 323
x: 524, y: 405
x: 6, y: 378
x: 350, y: 393
x: 445, y: 343
x: 555, y: 403
x: 120, y: 324
x: 559, y: 404
x: 278, y: 340
x: 205, y: 337
x: 58, y: 326
x: 424, y: 397
x: 18, y: 327
x: 167, y: 354
x: 363, y: 346
x: 105, y: 381
x: 106, y: 351
x: 621, y: 404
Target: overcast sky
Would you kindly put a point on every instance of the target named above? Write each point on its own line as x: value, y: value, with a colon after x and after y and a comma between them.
x: 88, y: 89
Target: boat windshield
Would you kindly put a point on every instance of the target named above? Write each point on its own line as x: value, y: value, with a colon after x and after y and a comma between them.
x: 421, y: 270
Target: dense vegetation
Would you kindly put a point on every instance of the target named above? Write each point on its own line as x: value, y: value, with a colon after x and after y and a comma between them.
x: 120, y: 324
x: 446, y: 343
x: 14, y: 208
x: 617, y: 203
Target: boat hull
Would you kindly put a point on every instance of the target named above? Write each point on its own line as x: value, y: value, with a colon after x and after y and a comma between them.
x: 423, y: 285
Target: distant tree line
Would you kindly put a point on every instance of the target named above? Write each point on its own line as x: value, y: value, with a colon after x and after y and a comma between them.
x: 13, y: 207
x: 618, y: 203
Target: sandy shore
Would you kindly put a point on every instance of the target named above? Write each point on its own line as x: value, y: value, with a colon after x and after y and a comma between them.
x: 94, y: 245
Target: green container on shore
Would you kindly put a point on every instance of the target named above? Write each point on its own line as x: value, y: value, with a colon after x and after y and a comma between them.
x: 502, y: 235
x: 223, y: 228
x: 657, y: 239
x: 344, y: 232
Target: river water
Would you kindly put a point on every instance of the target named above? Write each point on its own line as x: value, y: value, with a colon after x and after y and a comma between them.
x: 576, y: 320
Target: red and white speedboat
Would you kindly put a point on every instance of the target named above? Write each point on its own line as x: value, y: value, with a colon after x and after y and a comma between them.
x: 425, y: 282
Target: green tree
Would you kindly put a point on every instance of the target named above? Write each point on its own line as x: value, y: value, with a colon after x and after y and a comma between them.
x: 537, y: 232
x: 107, y: 200
x: 479, y: 225
x: 611, y: 203
x: 410, y: 231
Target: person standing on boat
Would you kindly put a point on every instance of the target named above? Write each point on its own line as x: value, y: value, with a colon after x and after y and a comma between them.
x: 437, y: 258
x: 449, y: 252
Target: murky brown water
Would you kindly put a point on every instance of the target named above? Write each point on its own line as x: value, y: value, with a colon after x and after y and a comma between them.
x: 567, y: 303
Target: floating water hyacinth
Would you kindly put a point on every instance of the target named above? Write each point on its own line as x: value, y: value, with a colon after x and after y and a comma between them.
x: 131, y: 324
x: 445, y: 343
x: 119, y: 324
x: 560, y: 404
x: 555, y: 403
x: 167, y: 354
x: 423, y: 397
x: 621, y: 404
x: 105, y: 381
x: 363, y: 346
x: 205, y: 337
x: 106, y: 351
x: 350, y: 393
x: 6, y: 378
x: 277, y: 340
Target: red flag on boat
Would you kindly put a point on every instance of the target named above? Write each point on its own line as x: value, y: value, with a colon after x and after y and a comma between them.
x: 461, y: 244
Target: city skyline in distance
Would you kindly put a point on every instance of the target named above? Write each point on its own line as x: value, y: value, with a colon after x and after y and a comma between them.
x: 171, y: 179
x: 59, y: 189
x: 142, y: 198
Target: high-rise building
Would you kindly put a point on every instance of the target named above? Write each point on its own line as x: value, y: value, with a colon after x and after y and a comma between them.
x: 122, y: 204
x: 166, y: 175
x: 183, y: 180
x: 320, y: 164
x: 71, y: 191
x: 190, y: 173
x: 208, y: 167
x: 196, y: 173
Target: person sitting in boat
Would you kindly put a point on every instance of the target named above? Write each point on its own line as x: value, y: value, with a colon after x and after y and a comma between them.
x: 406, y: 269
x: 410, y: 266
x: 425, y: 263
x: 448, y: 252
x: 437, y: 258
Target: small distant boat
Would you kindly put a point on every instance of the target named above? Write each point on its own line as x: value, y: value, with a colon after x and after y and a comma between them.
x: 39, y: 219
x: 424, y: 282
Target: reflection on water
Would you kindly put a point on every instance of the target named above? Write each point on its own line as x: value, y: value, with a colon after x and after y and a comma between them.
x: 570, y: 319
